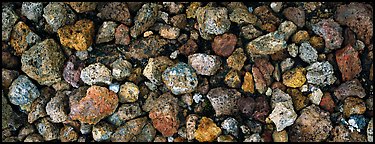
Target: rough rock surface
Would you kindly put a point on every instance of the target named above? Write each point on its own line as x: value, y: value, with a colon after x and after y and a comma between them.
x: 82, y: 7
x: 129, y: 130
x: 294, y: 78
x: 146, y: 47
x: 204, y: 64
x: 106, y: 32
x: 22, y: 38
x: 350, y: 88
x: 320, y: 73
x: 72, y: 71
x: 348, y: 62
x: 308, y: 53
x: 8, y: 19
x: 224, y: 100
x: 67, y: 134
x: 180, y: 79
x: 117, y: 11
x: 22, y: 91
x: 331, y: 33
x: 237, y: 59
x: 122, y: 36
x: 145, y: 18
x: 96, y: 73
x: 353, y: 105
x: 207, y: 130
x: 128, y: 92
x: 155, y: 67
x: 224, y: 45
x: 283, y: 115
x: 295, y: 15
x: 58, y: 14
x: 102, y: 131
x: 124, y: 113
x: 48, y: 130
x: 79, y: 36
x: 57, y: 107
x: 266, y: 44
x: 212, y: 21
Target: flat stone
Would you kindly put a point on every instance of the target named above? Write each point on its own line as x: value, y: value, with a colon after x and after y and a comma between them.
x: 266, y: 44
x: 350, y: 88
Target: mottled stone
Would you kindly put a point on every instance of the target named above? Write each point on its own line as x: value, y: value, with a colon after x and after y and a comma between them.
x: 212, y: 20
x: 179, y: 21
x: 49, y: 131
x: 129, y: 130
x: 286, y: 64
x: 327, y: 102
x: 223, y: 45
x: 280, y: 136
x: 9, y: 118
x: 67, y: 134
x: 207, y: 130
x: 155, y: 68
x: 353, y: 105
x: 79, y: 36
x: 7, y: 77
x: 253, y: 138
x: 57, y: 107
x: 106, y: 32
x: 22, y: 38
x: 229, y: 126
x: 190, y: 47
x: 268, y: 20
x: 122, y: 36
x: 72, y: 71
x: 320, y: 73
x: 242, y: 16
x: 8, y: 19
x: 169, y: 32
x: 237, y: 59
x: 34, y: 138
x: 276, y: 6
x: 204, y: 64
x: 226, y: 138
x: 293, y: 50
x: 294, y: 78
x: 296, y: 15
x: 300, y: 36
x: 58, y: 14
x: 283, y: 115
x: 25, y: 131
x: 232, y: 79
x: 145, y: 18
x: 350, y: 88
x: 331, y: 33
x: 10, y: 61
x: 287, y: 29
x: 315, y: 96
x: 96, y: 73
x: 248, y: 84
x: 348, y: 62
x: 128, y: 92
x: 180, y: 79
x: 250, y: 32
x: 22, y: 91
x: 117, y: 11
x: 102, y: 131
x: 267, y: 44
x: 192, y: 8
x: 83, y: 7
x: 147, y: 134
x: 260, y: 83
x: 224, y: 101
x: 308, y: 53
x: 317, y: 42
x: 370, y: 129
x: 146, y: 47
x: 191, y: 121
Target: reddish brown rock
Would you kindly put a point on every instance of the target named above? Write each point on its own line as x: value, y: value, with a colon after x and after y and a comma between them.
x: 146, y: 47
x: 327, y: 102
x: 7, y: 77
x: 269, y: 21
x: 72, y: 71
x: 82, y: 7
x: 262, y: 109
x: 331, y: 32
x: 260, y: 83
x: 98, y: 103
x: 266, y: 68
x: 246, y: 105
x: 350, y: 88
x: 117, y: 11
x: 122, y: 36
x: 224, y: 100
x: 348, y: 62
x: 190, y: 47
x: 223, y: 45
x: 295, y: 15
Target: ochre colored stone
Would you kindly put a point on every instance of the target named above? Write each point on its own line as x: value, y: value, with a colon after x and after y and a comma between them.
x: 78, y: 36
x: 294, y: 78
x: 353, y: 105
x: 248, y: 83
x: 207, y: 130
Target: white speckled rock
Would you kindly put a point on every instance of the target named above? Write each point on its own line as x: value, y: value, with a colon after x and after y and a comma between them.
x: 96, y: 73
x: 283, y: 116
x: 204, y: 64
x: 180, y: 79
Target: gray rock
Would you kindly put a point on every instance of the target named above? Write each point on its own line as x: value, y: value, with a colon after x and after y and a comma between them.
x: 370, y: 129
x: 204, y: 64
x: 102, y: 131
x: 145, y: 18
x: 350, y: 88
x: 180, y: 79
x: 212, y: 20
x: 331, y: 33
x: 308, y: 53
x: 147, y: 134
x: 230, y: 126
x: 287, y: 28
x: 22, y: 91
x: 96, y: 73
x: 250, y: 32
x: 253, y: 138
x: 8, y: 19
x: 124, y: 113
x: 58, y: 14
x: 320, y: 73
x: 106, y: 32
x: 224, y: 101
x: 129, y: 130
x: 32, y: 10
x: 155, y: 68
x: 293, y: 50
x: 85, y: 128
x: 286, y: 64
x: 242, y: 16
x: 57, y: 108
x: 121, y: 69
x: 267, y: 44
x: 9, y: 117
x: 48, y: 130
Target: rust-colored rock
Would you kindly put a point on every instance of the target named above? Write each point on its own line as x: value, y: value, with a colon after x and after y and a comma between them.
x: 260, y: 83
x: 81, y: 7
x: 78, y: 36
x: 223, y: 45
x: 248, y: 83
x: 117, y: 11
x: 327, y: 102
x: 266, y: 68
x: 22, y: 38
x: 207, y: 130
x: 348, y: 62
x: 296, y: 15
x: 98, y: 103
x: 190, y: 47
x: 122, y: 36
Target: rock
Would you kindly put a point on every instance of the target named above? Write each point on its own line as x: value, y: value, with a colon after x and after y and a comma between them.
x: 57, y: 14
x: 317, y: 42
x: 204, y: 64
x: 286, y: 64
x: 248, y: 83
x: 106, y: 32
x: 299, y: 100
x: 212, y: 20
x: 242, y: 16
x: 49, y: 131
x: 225, y: 138
x: 9, y: 18
x: 253, y: 138
x: 79, y: 36
x: 232, y: 79
x: 32, y: 10
x: 370, y: 103
x: 348, y: 62
x: 22, y: 91
x: 160, y: 139
x: 280, y: 136
x: 266, y: 68
x: 10, y: 61
x: 37, y: 110
x: 179, y: 21
x: 57, y: 107
x: 72, y: 71
x: 207, y: 130
x: 180, y: 79
x: 224, y: 101
x: 260, y: 83
x: 353, y: 105
x: 268, y: 20
x: 102, y: 131
x: 22, y: 38
x: 128, y: 92
x: 295, y: 15
x: 121, y: 69
x: 9, y: 118
x: 25, y: 131
x: 308, y: 53
x: 7, y: 77
x: 44, y: 62
x: 357, y: 122
x: 83, y: 7
x: 287, y: 29
x: 129, y: 130
x: 67, y: 134
x: 267, y: 44
x: 246, y: 105
x: 237, y: 59
x: 122, y: 36
x: 164, y: 115
x: 229, y: 126
x: 192, y: 8
x: 223, y: 45
x: 312, y: 117
x: 155, y: 67
x: 294, y: 78
x: 124, y: 113
x: 369, y: 131
x: 116, y: 11
x: 85, y: 128
x: 169, y: 32
x: 34, y: 138
x: 350, y: 88
x: 316, y: 96
x: 146, y: 47
x: 280, y: 96
x: 190, y: 47
x: 283, y: 115
x: 92, y: 108
x: 331, y: 33
x: 301, y: 36
x: 191, y: 121
x: 276, y: 6
x: 358, y: 17
x: 145, y: 18
x: 320, y: 73
x: 147, y: 134
x: 96, y: 73
x: 327, y: 102
x: 250, y: 32
x: 293, y: 50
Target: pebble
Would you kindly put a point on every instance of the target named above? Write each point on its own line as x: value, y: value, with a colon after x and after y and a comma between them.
x: 22, y: 38
x: 7, y: 77
x: 317, y: 42
x: 122, y: 36
x: 10, y: 61
x: 25, y: 131
x: 287, y: 29
x: 316, y: 96
x: 180, y: 79
x: 350, y: 88
x: 85, y: 128
x: 116, y: 11
x: 191, y: 121
x: 301, y: 36
x: 22, y: 91
x: 312, y: 117
x: 169, y: 32
x: 296, y: 15
x: 253, y: 138
x: 293, y: 50
x: 145, y: 18
x: 96, y: 73
x: 280, y: 136
x: 353, y: 105
x: 224, y: 101
x: 192, y: 8
x: 276, y: 6
x: 204, y: 64
x: 67, y: 134
x: 250, y: 32
x: 9, y: 18
x: 129, y: 130
x: 79, y: 36
x: 299, y: 100
x: 266, y: 68
x: 32, y: 10
x: 225, y: 138
x: 128, y: 92
x: 43, y: 62
x: 357, y: 122
x: 72, y: 71
x: 327, y: 102
x: 102, y: 131
x: 268, y: 20
x: 229, y: 126
x: 348, y: 62
x: 320, y: 73
x: 49, y: 131
x: 248, y: 84
x: 331, y: 33
x: 121, y: 69
x: 106, y: 32
x: 294, y: 78
x: 212, y: 20
x: 267, y: 44
x: 179, y: 21
x: 190, y: 47
x: 242, y: 16
x: 308, y: 53
x: 207, y: 130
x: 9, y: 117
x: 246, y: 105
x: 57, y: 107
x: 280, y: 96
x: 58, y: 14
x: 223, y: 45
x: 83, y: 7
x: 124, y: 113
x: 37, y: 110
x: 146, y: 47
x: 260, y: 83
x: 92, y: 108
x: 34, y: 138
x: 147, y: 134
x: 370, y: 127
x: 286, y: 64
x: 232, y: 79
x: 155, y: 67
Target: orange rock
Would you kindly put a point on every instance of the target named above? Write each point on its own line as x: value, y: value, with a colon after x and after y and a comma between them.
x: 327, y: 102
x: 78, y: 36
x: 207, y: 130
x: 248, y: 84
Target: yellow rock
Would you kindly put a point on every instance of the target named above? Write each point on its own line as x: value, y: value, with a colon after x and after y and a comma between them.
x: 190, y: 11
x: 294, y: 78
x: 248, y: 84
x: 232, y: 79
x: 207, y: 130
x: 300, y: 36
x: 78, y: 36
x: 281, y: 136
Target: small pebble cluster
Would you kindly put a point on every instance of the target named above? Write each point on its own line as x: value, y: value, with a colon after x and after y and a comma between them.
x: 187, y: 72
